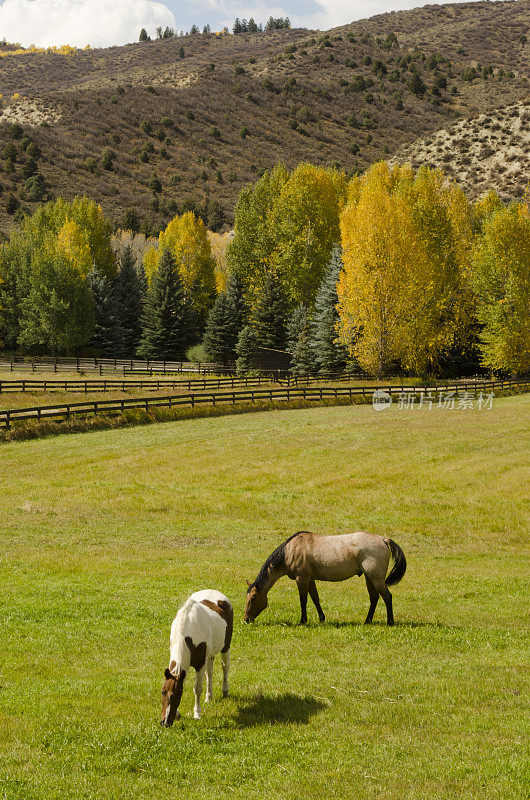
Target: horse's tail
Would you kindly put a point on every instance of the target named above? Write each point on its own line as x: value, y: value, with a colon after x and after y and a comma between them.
x: 400, y: 563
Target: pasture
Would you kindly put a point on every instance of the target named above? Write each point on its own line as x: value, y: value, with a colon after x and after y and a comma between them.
x: 104, y: 534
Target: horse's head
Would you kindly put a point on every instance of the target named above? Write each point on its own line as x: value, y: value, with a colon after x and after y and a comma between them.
x: 256, y: 602
x: 171, y: 696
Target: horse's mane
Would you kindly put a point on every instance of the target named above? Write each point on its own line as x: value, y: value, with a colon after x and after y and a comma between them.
x: 180, y: 649
x: 275, y: 560
x: 182, y: 614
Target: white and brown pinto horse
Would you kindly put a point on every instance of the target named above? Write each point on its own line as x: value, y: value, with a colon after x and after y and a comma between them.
x: 309, y: 557
x: 201, y: 629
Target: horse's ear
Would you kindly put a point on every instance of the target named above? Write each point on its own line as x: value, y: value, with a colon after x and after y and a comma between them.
x: 168, y: 675
x: 248, y: 583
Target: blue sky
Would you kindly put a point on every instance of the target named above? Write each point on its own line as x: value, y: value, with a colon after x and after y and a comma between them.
x: 102, y: 23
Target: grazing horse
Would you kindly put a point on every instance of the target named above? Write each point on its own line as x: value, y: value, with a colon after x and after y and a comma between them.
x: 201, y: 629
x: 308, y: 557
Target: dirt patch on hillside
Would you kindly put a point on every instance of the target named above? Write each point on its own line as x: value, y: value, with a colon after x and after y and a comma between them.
x: 30, y: 112
x: 490, y: 151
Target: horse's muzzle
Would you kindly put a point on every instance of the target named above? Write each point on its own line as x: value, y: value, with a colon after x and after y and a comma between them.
x: 167, y: 724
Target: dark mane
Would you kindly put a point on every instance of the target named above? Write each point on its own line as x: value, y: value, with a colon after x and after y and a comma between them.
x: 275, y: 560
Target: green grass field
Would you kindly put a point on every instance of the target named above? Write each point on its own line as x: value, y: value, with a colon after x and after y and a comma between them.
x: 104, y: 534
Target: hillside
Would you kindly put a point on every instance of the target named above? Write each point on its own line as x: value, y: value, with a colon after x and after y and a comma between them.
x: 489, y: 151
x: 149, y: 127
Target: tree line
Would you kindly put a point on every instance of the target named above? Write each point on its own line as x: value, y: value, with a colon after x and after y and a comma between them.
x: 239, y: 26
x: 392, y: 271
x: 64, y: 290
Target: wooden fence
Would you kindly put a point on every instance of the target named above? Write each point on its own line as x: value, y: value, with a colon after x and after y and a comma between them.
x: 113, y: 385
x: 251, y: 395
x: 102, y: 366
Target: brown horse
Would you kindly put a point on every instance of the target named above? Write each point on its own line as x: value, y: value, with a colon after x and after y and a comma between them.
x: 308, y: 557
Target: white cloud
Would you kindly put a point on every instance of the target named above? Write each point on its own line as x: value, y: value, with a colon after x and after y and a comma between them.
x: 341, y: 12
x: 100, y: 23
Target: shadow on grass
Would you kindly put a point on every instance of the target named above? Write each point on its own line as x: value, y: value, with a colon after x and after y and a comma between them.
x: 278, y: 709
x: 377, y: 623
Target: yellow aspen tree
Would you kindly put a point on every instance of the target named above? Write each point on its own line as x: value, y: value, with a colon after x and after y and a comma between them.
x: 151, y: 258
x: 377, y: 244
x: 501, y: 279
x: 403, y: 293
x: 89, y: 218
x: 72, y: 243
x: 440, y: 309
x: 305, y: 222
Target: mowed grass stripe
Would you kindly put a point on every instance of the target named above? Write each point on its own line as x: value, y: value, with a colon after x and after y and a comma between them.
x: 105, y: 533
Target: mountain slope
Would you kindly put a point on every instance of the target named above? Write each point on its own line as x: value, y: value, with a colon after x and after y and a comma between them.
x: 154, y: 125
x: 490, y: 151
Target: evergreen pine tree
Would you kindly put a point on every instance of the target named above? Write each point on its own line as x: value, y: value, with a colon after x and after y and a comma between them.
x: 220, y: 336
x: 330, y: 355
x: 235, y: 293
x: 246, y: 347
x: 303, y: 357
x: 299, y: 341
x: 298, y: 320
x: 271, y: 315
x: 107, y: 339
x: 130, y: 295
x: 144, y: 283
x: 166, y: 322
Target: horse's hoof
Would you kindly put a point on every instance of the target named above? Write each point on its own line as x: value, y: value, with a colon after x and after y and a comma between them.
x: 321, y: 619
x: 225, y: 692
x: 196, y: 715
x: 207, y: 698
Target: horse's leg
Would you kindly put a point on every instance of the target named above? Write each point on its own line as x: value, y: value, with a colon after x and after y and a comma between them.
x: 302, y: 584
x: 225, y: 661
x: 381, y: 587
x: 313, y: 592
x: 197, y: 689
x: 209, y: 680
x: 374, y: 597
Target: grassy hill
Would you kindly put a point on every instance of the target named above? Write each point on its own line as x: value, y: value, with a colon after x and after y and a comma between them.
x: 206, y: 114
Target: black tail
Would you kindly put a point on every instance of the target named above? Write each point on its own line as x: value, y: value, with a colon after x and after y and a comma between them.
x: 400, y: 563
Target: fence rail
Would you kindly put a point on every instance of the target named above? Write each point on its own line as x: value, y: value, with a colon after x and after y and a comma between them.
x: 102, y: 366
x: 250, y: 395
x: 113, y: 385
